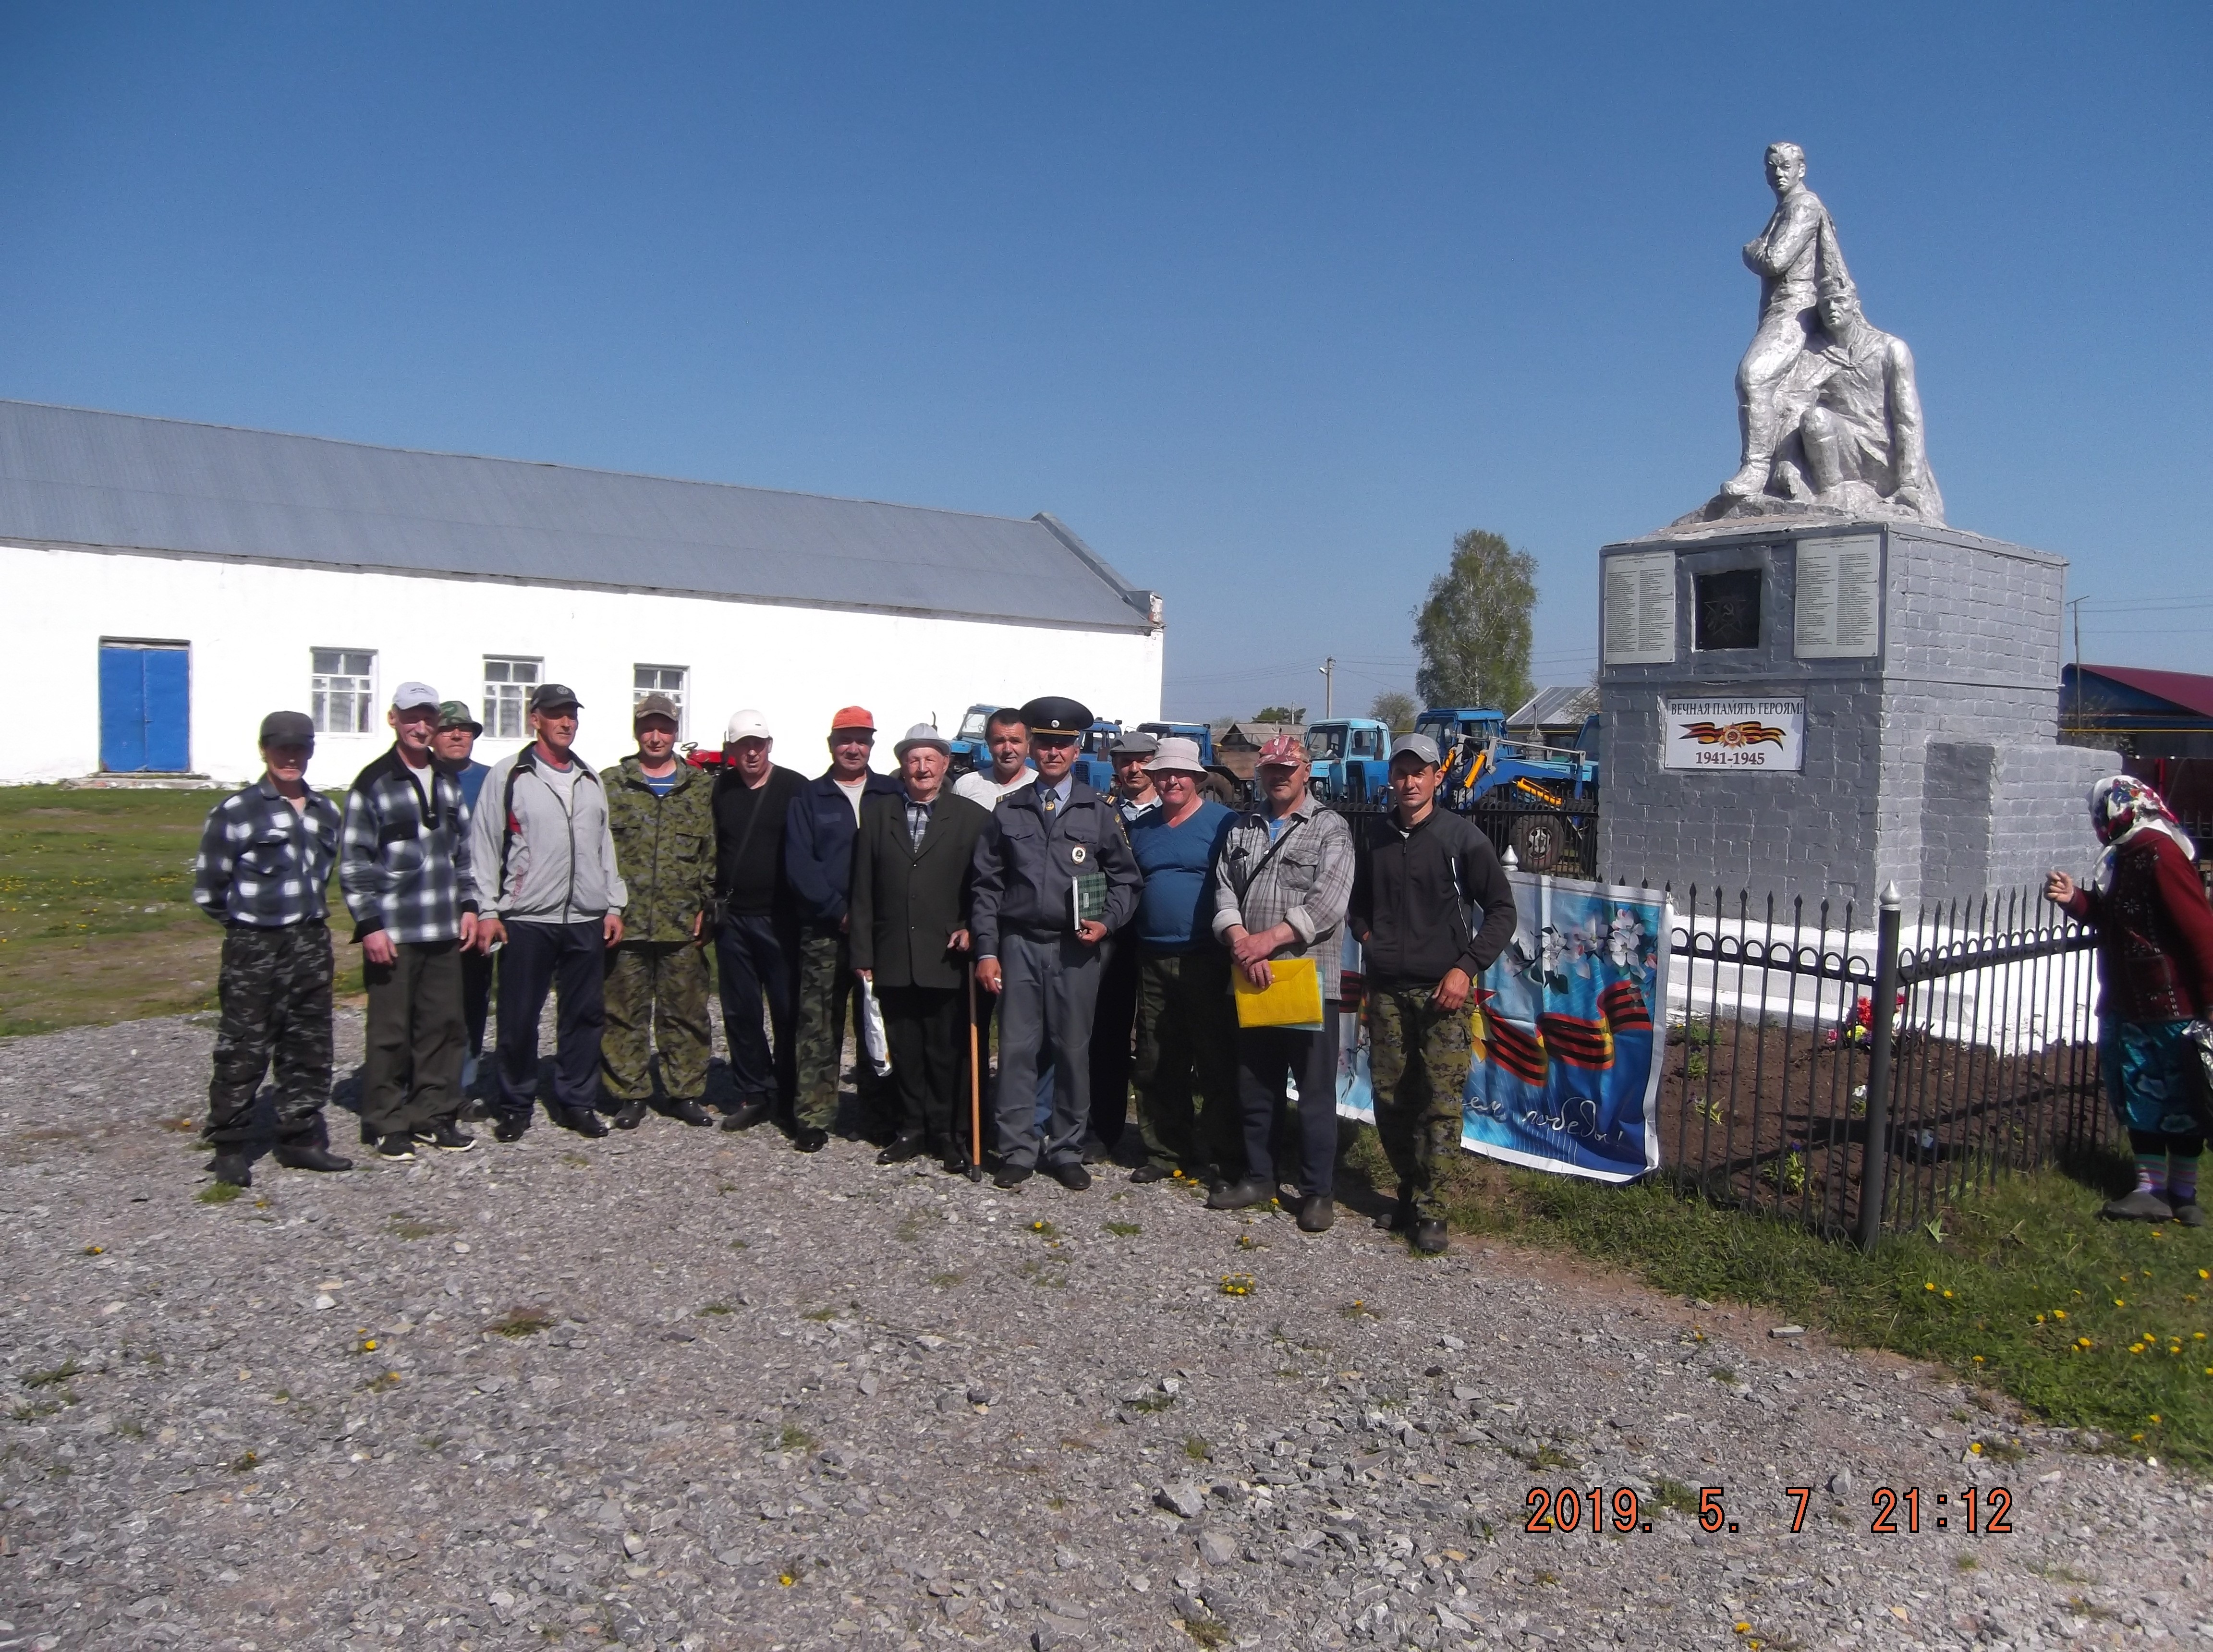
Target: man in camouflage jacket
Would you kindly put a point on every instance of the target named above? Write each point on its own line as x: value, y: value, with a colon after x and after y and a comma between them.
x: 661, y: 811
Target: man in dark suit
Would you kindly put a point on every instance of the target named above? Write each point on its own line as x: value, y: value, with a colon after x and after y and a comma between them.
x: 913, y: 865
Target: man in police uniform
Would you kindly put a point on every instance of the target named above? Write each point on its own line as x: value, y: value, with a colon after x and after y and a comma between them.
x: 1031, y: 950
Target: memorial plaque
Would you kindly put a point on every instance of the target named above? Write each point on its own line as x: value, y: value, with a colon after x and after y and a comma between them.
x: 1840, y: 607
x: 1639, y: 602
x: 1715, y: 734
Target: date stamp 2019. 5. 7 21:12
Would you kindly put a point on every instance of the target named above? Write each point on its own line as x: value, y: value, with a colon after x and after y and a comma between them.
x: 1977, y: 1510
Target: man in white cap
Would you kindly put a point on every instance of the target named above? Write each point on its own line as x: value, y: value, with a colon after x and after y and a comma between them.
x: 756, y: 934
x: 1187, y: 1031
x: 404, y: 867
x: 913, y: 862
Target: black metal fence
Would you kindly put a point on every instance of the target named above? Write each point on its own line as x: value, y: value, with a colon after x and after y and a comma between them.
x: 1854, y: 1079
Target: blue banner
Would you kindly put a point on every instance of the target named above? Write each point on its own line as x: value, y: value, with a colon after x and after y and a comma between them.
x: 1569, y: 1028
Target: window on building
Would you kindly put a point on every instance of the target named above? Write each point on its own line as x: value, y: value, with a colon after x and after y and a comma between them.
x: 507, y: 683
x: 660, y: 680
x: 341, y: 690
x: 1728, y: 609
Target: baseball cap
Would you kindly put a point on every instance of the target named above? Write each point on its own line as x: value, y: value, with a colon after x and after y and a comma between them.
x: 853, y: 716
x: 1177, y: 755
x: 747, y: 724
x: 288, y: 729
x: 923, y: 733
x: 410, y: 695
x: 1420, y: 746
x: 1282, y: 751
x: 1134, y: 743
x: 455, y: 714
x: 551, y: 697
x: 654, y: 706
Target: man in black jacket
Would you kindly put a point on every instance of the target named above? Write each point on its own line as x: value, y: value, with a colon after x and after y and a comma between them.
x: 1416, y: 872
x: 911, y: 867
x: 756, y: 939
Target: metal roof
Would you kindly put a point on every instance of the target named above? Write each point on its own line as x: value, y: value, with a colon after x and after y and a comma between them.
x: 1557, y: 706
x: 2182, y: 690
x: 71, y: 476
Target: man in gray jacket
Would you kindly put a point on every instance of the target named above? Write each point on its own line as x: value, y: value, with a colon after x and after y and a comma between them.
x: 544, y: 865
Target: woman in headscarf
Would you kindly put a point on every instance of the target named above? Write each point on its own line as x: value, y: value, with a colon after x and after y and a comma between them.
x: 2155, y: 967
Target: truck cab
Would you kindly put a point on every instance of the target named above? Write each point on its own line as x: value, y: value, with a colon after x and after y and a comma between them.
x: 1351, y: 761
x: 970, y: 751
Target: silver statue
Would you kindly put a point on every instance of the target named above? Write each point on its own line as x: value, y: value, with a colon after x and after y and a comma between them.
x: 1826, y: 403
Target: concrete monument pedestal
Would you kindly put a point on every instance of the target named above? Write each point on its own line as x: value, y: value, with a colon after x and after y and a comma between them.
x: 1806, y: 704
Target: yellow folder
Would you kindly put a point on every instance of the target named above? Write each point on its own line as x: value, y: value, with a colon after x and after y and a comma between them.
x: 1291, y: 1000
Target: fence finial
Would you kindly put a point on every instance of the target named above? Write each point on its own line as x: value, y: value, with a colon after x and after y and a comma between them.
x: 1509, y: 860
x: 1891, y: 900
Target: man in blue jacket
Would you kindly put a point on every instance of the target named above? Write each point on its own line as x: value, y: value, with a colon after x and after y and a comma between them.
x: 817, y: 864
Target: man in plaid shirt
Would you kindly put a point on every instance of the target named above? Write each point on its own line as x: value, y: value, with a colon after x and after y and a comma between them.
x: 1281, y: 889
x: 264, y: 863
x: 404, y: 870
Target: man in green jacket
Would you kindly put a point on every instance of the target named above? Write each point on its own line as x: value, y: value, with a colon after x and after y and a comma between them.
x: 661, y: 812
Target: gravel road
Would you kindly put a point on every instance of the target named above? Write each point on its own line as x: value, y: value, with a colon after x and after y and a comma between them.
x: 683, y: 1388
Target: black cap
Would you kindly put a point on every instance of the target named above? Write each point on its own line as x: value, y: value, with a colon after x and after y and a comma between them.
x: 551, y: 697
x: 1056, y: 714
x: 288, y: 729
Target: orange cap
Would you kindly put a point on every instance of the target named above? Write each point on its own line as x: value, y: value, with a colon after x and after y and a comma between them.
x: 853, y: 716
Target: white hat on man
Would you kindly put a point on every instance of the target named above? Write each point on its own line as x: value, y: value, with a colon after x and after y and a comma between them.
x: 747, y: 724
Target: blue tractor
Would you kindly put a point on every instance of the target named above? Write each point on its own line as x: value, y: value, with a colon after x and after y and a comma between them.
x: 969, y: 749
x: 1351, y: 759
x: 1539, y: 787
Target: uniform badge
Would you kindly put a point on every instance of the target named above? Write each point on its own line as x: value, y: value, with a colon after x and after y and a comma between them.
x: 1076, y: 854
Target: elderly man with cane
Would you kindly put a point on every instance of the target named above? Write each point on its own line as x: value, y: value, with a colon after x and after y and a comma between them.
x: 913, y: 860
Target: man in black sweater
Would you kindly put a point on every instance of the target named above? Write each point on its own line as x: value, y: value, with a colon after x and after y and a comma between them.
x: 756, y: 941
x: 1417, y: 870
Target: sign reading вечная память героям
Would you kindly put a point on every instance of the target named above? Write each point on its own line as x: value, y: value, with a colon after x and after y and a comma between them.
x: 1717, y: 734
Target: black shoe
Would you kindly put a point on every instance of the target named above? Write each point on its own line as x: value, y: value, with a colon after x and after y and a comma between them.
x: 632, y: 1115
x: 902, y: 1149
x: 1011, y: 1176
x: 2187, y: 1214
x: 1399, y: 1216
x: 1237, y: 1195
x: 398, y: 1147
x: 1317, y: 1214
x: 1429, y: 1235
x: 510, y: 1127
x: 687, y: 1111
x: 1074, y: 1177
x: 955, y: 1163
x: 230, y: 1167
x: 1149, y: 1173
x: 747, y: 1117
x: 808, y: 1139
x: 447, y: 1138
x: 308, y: 1156
x: 584, y: 1121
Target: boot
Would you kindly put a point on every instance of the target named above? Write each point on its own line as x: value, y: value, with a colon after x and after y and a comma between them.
x: 1400, y: 1216
x: 229, y: 1165
x: 307, y: 1156
x: 752, y: 1113
x: 2139, y: 1206
x: 631, y: 1115
x: 686, y: 1111
x: 1429, y: 1235
x: 1317, y: 1214
x: 1237, y: 1195
x: 908, y: 1144
x: 584, y: 1121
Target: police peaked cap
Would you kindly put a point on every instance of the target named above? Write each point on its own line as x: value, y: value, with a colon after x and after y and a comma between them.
x: 1056, y: 714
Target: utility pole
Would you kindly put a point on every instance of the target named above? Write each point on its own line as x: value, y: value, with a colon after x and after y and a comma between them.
x: 2077, y: 605
x: 1328, y: 669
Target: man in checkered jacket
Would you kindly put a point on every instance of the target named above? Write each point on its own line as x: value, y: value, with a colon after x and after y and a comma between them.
x: 264, y: 862
x: 404, y: 868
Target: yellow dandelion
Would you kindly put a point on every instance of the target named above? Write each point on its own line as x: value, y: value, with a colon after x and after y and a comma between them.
x: 2058, y: 1313
x: 1977, y: 1448
x: 95, y: 1250
x: 2118, y: 1303
x: 2136, y: 1439
x: 2039, y: 1319
x: 786, y: 1579
x: 1744, y: 1628
x: 2154, y: 1416
x: 2203, y: 1274
x: 2200, y: 1337
x: 1931, y: 1285
x: 1979, y: 1359
x: 370, y: 1347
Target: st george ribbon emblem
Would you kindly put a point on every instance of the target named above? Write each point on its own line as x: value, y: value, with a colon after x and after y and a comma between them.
x: 1751, y: 732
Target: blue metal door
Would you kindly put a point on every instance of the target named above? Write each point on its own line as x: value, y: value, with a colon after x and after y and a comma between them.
x: 145, y: 709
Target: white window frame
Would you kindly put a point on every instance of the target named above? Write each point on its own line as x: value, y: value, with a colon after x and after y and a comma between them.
x: 659, y: 685
x: 358, y: 690
x: 509, y: 690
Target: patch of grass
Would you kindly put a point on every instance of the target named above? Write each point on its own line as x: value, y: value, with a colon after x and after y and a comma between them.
x: 53, y: 1376
x: 32, y: 1410
x: 1149, y: 1402
x: 404, y: 1226
x: 819, y: 1314
x: 576, y: 1161
x: 183, y: 1124
x: 1674, y: 1495
x: 131, y: 1431
x: 944, y: 1281
x: 244, y: 1463
x: 1357, y: 1309
x: 218, y: 1193
x: 1055, y: 1502
x: 1124, y: 1230
x: 792, y: 1437
x: 717, y: 1309
x: 1045, y: 1230
x: 1964, y: 1561
x: 519, y: 1322
x: 1722, y: 1374
x: 2024, y: 1292
x: 909, y: 1228
x: 1051, y: 1274
x: 383, y: 1382
x: 1195, y: 1447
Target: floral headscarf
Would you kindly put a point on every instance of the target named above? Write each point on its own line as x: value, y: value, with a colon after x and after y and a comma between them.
x: 2121, y: 806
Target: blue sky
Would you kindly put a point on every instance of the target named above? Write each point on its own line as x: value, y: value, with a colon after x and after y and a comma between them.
x: 1266, y: 301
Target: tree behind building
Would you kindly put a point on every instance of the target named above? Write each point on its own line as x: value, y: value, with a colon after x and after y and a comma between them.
x: 1473, y: 632
x: 1395, y: 709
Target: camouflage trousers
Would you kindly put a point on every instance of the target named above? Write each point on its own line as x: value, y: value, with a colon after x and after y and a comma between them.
x: 1417, y: 1062
x: 826, y: 986
x: 656, y: 993
x: 275, y: 987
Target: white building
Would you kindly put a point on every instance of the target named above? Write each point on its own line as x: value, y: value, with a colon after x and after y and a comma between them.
x: 188, y: 578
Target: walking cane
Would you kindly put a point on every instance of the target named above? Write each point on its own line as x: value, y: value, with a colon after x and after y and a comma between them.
x: 975, y: 1089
